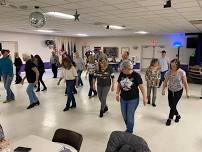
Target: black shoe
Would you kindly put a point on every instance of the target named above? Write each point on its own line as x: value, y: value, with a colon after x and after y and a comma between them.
x: 106, y: 109
x: 177, y: 119
x: 44, y: 89
x: 73, y: 106
x: 168, y: 122
x: 37, y: 90
x: 153, y: 104
x: 31, y: 106
x: 37, y: 103
x: 200, y: 97
x: 101, y: 113
x: 148, y: 102
x: 66, y: 109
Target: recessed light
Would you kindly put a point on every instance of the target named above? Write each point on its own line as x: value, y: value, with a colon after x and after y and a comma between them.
x: 141, y: 32
x: 116, y: 27
x: 83, y: 35
x: 60, y: 15
x: 44, y: 31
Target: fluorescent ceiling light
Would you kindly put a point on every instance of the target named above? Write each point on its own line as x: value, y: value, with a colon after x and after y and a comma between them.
x: 116, y: 27
x: 141, y: 32
x: 81, y: 35
x: 45, y: 31
x: 60, y: 15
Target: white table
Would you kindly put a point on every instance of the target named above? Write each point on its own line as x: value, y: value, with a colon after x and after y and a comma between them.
x: 39, y: 144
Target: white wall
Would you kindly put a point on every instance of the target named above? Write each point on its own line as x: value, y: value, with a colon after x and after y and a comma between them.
x: 167, y: 40
x: 29, y: 43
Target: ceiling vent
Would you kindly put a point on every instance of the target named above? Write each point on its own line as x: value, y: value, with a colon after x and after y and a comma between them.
x: 99, y: 23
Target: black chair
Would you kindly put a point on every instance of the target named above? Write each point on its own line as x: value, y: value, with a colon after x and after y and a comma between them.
x: 68, y: 137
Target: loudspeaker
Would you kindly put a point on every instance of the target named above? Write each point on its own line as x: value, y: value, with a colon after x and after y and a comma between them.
x: 0, y: 46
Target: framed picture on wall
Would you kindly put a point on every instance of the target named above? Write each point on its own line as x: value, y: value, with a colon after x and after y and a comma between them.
x: 111, y: 51
x: 125, y: 49
x: 84, y: 50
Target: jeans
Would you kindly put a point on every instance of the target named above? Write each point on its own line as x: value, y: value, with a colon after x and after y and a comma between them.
x: 7, y: 85
x: 31, y: 94
x: 102, y: 95
x: 91, y: 77
x: 173, y: 99
x: 80, y: 82
x: 154, y: 92
x: 128, y: 109
x: 70, y: 99
x: 54, y: 70
x: 162, y: 77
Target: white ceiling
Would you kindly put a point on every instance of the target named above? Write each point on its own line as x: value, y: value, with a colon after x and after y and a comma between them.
x: 136, y: 15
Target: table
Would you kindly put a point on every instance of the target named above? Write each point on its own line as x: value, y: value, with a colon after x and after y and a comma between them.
x: 39, y: 144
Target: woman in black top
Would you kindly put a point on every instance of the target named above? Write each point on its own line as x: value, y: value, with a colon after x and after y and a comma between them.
x: 129, y: 83
x: 105, y: 77
x: 40, y: 67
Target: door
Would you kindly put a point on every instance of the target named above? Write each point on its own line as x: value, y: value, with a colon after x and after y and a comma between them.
x: 10, y: 45
x: 147, y: 55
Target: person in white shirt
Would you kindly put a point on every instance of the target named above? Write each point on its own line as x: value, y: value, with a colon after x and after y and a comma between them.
x: 70, y: 75
x: 164, y: 66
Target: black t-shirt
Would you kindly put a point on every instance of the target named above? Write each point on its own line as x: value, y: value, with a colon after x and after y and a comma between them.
x: 129, y: 85
x: 30, y: 74
x: 40, y: 67
x: 18, y: 62
x: 104, y: 77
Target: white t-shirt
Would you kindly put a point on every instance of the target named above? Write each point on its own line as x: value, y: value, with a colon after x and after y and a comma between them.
x: 69, y: 74
x: 164, y: 62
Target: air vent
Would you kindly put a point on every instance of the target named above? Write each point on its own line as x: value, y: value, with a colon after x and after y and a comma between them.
x: 195, y: 22
x: 99, y: 23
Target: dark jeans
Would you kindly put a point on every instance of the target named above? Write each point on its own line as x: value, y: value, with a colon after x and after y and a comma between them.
x: 54, y: 70
x: 162, y: 77
x: 74, y: 89
x: 41, y: 80
x: 102, y: 95
x: 80, y: 82
x: 18, y: 77
x: 70, y: 99
x: 173, y: 99
x: 91, y: 77
x: 7, y: 85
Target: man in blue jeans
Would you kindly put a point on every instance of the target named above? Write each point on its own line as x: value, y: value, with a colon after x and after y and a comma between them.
x: 164, y: 66
x: 32, y: 75
x: 6, y: 71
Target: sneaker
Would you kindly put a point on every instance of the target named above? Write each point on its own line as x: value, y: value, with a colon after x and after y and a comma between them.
x: 44, y: 89
x: 168, y: 122
x: 101, y: 113
x: 7, y: 101
x: 37, y: 90
x: 66, y: 109
x: 37, y: 103
x: 106, y: 109
x: 148, y: 102
x: 153, y: 104
x: 31, y: 106
x: 177, y: 119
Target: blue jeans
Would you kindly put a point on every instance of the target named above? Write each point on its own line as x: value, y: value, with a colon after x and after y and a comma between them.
x: 128, y: 109
x: 7, y: 85
x: 70, y: 87
x: 31, y: 94
x: 162, y: 77
x: 80, y: 82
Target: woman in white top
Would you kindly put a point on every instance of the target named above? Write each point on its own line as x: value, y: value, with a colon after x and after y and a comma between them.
x: 69, y: 74
x: 176, y: 78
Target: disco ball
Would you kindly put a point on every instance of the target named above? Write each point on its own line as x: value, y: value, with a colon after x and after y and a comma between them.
x: 37, y: 19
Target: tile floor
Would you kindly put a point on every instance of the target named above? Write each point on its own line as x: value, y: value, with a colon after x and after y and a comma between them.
x: 150, y: 122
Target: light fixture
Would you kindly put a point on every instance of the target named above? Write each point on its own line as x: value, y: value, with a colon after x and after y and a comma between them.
x: 167, y: 3
x: 82, y: 35
x: 45, y: 31
x: 37, y: 19
x: 60, y: 15
x: 115, y: 27
x: 141, y: 32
